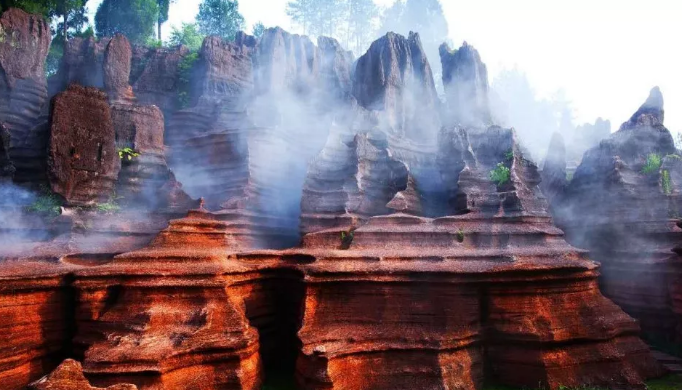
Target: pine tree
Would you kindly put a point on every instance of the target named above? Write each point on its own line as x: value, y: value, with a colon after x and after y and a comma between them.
x: 220, y: 17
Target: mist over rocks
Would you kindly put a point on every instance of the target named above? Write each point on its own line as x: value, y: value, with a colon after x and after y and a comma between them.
x: 622, y: 204
x: 465, y: 78
x: 410, y: 264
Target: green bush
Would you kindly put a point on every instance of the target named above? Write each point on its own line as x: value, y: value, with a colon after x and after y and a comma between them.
x: 46, y: 203
x: 184, y: 77
x: 666, y: 183
x: 509, y: 155
x: 127, y: 154
x: 460, y: 236
x: 108, y: 207
x: 500, y: 174
x: 653, y: 164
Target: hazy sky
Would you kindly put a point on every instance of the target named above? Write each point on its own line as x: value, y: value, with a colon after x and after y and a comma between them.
x: 605, y: 54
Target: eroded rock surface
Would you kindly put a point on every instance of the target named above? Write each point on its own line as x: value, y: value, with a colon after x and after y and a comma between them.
x: 24, y: 43
x: 622, y: 204
x: 69, y: 376
x: 116, y: 69
x: 83, y: 162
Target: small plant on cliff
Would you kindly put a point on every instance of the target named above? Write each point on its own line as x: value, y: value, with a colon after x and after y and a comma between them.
x: 184, y: 77
x: 653, y: 164
x: 509, y: 155
x: 46, y: 203
x: 346, y: 239
x: 666, y: 183
x: 500, y: 174
x: 460, y: 236
x: 127, y: 154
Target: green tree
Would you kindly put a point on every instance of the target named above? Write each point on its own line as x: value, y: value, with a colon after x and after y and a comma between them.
x: 258, y: 29
x: 164, y: 6
x: 220, y: 17
x: 361, y: 19
x: 134, y: 18
x: 42, y: 7
x: 186, y: 35
x: 318, y: 17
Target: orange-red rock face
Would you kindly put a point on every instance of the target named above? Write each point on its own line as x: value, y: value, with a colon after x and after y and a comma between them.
x: 69, y: 376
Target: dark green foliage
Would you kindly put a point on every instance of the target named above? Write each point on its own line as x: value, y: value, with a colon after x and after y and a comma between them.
x: 164, y: 6
x: 133, y: 18
x: 509, y: 155
x: 653, y: 164
x: 41, y: 7
x: 258, y: 29
x: 220, y: 17
x: 184, y: 78
x: 46, y: 203
x: 187, y: 35
x: 500, y: 174
x: 347, y: 239
x: 460, y: 236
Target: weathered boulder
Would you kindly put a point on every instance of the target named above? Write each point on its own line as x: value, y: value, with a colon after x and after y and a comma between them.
x: 82, y: 158
x: 465, y: 78
x: 622, y: 205
x: 69, y: 376
x: 24, y: 43
x: 116, y: 69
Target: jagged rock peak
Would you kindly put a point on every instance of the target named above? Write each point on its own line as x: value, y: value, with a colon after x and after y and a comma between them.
x: 465, y: 78
x: 69, y: 376
x: 650, y: 113
x: 394, y: 77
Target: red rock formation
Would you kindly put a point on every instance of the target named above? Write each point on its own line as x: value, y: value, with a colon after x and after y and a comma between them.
x: 69, y: 376
x: 23, y: 90
x: 623, y: 205
x: 82, y: 64
x: 514, y: 297
x: 116, y: 69
x: 155, y: 76
x: 83, y: 162
x: 185, y: 330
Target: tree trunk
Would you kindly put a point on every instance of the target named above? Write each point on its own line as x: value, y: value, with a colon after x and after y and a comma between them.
x: 66, y: 29
x: 159, y: 30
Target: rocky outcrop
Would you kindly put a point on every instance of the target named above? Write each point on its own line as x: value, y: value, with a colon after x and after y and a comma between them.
x: 83, y: 162
x: 389, y: 77
x: 24, y: 43
x: 369, y: 313
x: 69, y: 376
x: 554, y: 180
x: 155, y: 76
x: 465, y: 78
x: 82, y: 64
x: 622, y: 205
x: 6, y: 167
x: 116, y: 69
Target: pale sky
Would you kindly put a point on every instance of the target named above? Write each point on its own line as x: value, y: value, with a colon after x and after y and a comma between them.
x: 605, y: 54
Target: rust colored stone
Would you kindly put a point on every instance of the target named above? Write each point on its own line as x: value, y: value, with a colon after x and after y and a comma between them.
x: 83, y: 162
x: 116, y: 69
x: 69, y: 376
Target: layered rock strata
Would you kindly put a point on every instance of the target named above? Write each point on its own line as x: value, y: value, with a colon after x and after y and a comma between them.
x: 69, y: 376
x: 23, y: 90
x: 623, y: 204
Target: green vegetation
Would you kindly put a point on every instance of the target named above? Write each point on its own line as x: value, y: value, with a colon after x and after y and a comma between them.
x: 185, y: 74
x: 109, y: 207
x: 509, y: 155
x: 46, y: 203
x: 346, y: 239
x: 127, y: 154
x: 135, y: 19
x: 653, y: 164
x: 187, y: 35
x: 460, y: 235
x: 258, y: 29
x: 666, y: 183
x: 500, y: 174
x: 220, y: 17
